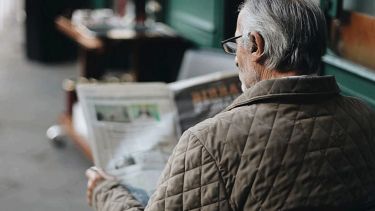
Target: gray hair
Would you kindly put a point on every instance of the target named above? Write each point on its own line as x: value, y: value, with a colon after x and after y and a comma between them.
x: 294, y: 33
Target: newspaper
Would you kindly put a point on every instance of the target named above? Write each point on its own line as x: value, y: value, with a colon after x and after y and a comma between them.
x: 203, y: 97
x: 133, y: 127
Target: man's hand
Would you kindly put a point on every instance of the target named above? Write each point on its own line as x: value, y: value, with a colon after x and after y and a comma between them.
x: 95, y: 176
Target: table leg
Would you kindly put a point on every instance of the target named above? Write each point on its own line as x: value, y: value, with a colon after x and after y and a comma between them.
x: 92, y: 63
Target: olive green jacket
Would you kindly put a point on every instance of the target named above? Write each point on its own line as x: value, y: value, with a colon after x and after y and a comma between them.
x: 283, y: 144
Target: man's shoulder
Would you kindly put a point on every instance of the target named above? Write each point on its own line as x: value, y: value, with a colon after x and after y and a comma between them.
x: 360, y: 111
x: 357, y: 108
x: 223, y: 123
x: 358, y: 103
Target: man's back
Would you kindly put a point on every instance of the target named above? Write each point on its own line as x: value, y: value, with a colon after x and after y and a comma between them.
x: 291, y: 143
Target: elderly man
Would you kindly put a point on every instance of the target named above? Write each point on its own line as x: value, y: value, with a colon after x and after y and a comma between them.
x: 290, y: 141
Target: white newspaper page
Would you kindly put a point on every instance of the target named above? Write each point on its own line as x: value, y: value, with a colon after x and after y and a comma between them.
x: 132, y: 131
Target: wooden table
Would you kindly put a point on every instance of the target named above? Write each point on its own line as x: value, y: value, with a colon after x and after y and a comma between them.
x: 96, y: 50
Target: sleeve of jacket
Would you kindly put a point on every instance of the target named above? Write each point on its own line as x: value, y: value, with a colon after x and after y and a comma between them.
x: 190, y: 180
x: 111, y: 196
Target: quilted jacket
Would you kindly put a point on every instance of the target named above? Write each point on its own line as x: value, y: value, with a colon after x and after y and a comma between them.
x: 290, y: 143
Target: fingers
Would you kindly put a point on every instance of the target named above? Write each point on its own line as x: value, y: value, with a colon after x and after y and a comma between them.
x: 105, y: 175
x: 89, y: 197
x: 94, y: 177
x: 90, y: 171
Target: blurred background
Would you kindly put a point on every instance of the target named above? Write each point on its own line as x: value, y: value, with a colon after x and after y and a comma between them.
x: 46, y: 47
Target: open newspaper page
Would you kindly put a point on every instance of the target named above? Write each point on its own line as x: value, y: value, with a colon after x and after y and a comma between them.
x: 203, y: 97
x: 132, y: 130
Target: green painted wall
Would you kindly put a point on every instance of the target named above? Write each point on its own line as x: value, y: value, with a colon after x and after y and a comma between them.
x: 202, y: 22
x: 353, y: 79
x: 99, y: 3
x: 363, y: 6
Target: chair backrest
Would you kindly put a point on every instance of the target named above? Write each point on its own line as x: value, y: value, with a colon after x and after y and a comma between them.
x: 205, y: 61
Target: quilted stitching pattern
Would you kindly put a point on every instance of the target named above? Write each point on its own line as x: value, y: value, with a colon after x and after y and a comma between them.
x: 110, y: 196
x: 297, y: 155
x: 272, y: 155
x: 191, y: 180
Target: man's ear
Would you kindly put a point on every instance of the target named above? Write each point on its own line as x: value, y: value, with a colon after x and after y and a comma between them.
x: 257, y: 48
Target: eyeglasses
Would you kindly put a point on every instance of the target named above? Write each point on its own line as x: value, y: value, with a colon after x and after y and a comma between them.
x: 230, y: 45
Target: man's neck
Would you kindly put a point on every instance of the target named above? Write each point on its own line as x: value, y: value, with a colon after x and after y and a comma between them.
x: 273, y: 74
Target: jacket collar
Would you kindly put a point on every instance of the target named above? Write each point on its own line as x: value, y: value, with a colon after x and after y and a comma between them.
x: 288, y: 88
